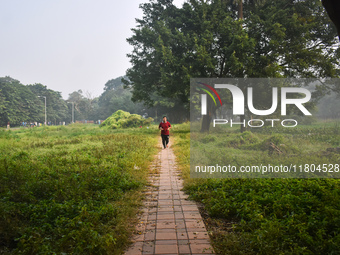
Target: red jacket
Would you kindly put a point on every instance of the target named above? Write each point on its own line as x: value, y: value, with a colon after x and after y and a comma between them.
x: 165, y: 127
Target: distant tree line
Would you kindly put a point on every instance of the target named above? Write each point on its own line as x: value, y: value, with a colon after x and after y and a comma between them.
x: 26, y: 103
x: 20, y: 103
x: 117, y: 97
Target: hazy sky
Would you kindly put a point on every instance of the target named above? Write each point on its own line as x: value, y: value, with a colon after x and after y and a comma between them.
x: 67, y: 44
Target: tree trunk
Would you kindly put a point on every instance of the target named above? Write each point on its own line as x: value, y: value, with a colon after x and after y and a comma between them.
x: 242, y: 128
x: 206, y: 122
x: 240, y: 9
x: 211, y: 110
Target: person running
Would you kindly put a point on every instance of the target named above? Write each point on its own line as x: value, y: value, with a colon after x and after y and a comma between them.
x: 164, y: 126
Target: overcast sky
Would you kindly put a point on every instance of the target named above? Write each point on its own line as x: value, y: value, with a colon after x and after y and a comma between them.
x: 67, y: 45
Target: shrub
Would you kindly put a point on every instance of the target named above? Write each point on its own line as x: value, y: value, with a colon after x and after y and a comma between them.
x: 122, y: 119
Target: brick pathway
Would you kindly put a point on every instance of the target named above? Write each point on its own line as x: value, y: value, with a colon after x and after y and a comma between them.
x: 170, y: 224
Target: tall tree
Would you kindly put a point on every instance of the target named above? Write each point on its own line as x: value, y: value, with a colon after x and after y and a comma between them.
x: 115, y: 97
x: 205, y: 39
x: 17, y: 103
x: 56, y: 108
x: 84, y: 105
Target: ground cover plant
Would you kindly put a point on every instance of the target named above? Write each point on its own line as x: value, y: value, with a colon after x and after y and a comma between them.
x: 71, y: 190
x: 313, y: 144
x: 269, y: 216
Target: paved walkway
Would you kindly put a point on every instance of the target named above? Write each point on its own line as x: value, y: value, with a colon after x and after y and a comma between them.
x: 170, y: 224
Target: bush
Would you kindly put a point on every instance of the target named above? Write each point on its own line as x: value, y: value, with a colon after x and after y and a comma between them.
x: 122, y: 119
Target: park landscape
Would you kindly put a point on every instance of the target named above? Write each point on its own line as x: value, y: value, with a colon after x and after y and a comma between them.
x: 79, y: 188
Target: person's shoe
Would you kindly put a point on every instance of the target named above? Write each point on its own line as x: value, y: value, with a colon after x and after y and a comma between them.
x: 167, y: 146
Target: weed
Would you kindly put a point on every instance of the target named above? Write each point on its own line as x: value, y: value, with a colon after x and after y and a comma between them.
x: 266, y: 216
x: 71, y: 189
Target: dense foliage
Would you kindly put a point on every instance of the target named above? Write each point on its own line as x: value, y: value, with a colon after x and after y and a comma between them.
x: 122, y: 119
x: 114, y: 98
x: 20, y: 103
x: 209, y: 39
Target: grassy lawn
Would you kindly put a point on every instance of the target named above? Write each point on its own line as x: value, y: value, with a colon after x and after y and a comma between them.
x: 71, y: 190
x: 77, y: 189
x: 268, y: 216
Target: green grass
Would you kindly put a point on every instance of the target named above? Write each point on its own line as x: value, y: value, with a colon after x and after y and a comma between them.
x: 76, y: 190
x: 305, y: 145
x: 268, y: 216
x: 71, y: 190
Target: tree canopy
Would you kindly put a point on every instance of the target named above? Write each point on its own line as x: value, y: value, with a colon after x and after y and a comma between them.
x: 20, y: 103
x: 209, y: 39
x: 25, y: 103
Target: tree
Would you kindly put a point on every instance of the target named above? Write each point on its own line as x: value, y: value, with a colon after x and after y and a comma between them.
x: 115, y: 97
x: 333, y: 8
x: 17, y: 103
x: 2, y: 102
x: 85, y: 105
x: 56, y: 108
x: 206, y: 39
x: 152, y: 57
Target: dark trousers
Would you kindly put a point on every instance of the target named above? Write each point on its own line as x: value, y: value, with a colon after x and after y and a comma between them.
x: 165, y: 140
